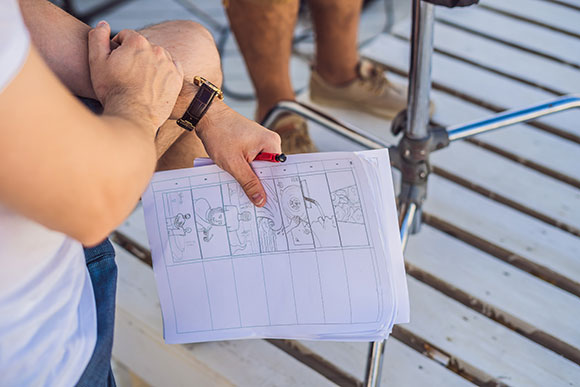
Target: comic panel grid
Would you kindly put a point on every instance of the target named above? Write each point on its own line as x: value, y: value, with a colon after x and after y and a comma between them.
x: 310, y: 206
x: 313, y: 213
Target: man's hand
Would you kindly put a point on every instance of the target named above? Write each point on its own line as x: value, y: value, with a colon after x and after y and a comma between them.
x: 233, y: 141
x: 137, y: 80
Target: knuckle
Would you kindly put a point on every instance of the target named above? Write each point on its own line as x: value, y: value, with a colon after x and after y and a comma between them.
x: 124, y: 32
x: 193, y: 30
x: 140, y: 40
x: 135, y: 39
x: 158, y: 50
x: 250, y: 185
x: 274, y: 137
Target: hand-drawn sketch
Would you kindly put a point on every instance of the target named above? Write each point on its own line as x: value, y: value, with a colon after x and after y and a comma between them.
x: 347, y: 205
x: 320, y: 211
x: 240, y: 220
x: 295, y: 218
x: 178, y: 223
x: 226, y: 267
x: 207, y: 218
x: 271, y: 231
x: 210, y: 220
x: 235, y: 214
x: 348, y: 209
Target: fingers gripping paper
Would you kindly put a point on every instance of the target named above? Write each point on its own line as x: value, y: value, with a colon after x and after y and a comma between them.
x: 321, y: 260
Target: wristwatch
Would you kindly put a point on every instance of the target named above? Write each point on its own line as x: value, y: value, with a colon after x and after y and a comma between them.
x: 201, y: 102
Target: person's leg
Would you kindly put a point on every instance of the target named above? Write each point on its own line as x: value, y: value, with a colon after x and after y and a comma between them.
x: 340, y: 77
x: 264, y: 31
x: 102, y: 269
x: 336, y: 25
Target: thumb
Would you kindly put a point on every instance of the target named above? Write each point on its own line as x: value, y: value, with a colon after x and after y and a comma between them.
x: 250, y: 183
x: 99, y: 42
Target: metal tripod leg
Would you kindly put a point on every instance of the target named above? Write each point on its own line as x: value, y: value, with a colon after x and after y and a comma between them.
x: 377, y: 348
x: 512, y: 117
x: 411, y: 155
x: 413, y: 188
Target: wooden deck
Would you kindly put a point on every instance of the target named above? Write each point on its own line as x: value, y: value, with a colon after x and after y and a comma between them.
x: 494, y: 274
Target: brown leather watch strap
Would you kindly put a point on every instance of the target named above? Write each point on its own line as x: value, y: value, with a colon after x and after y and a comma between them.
x: 198, y: 107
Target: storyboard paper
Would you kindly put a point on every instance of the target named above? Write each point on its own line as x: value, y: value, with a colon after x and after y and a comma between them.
x: 316, y: 262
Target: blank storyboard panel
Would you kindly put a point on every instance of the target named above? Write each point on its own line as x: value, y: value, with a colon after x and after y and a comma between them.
x: 311, y: 263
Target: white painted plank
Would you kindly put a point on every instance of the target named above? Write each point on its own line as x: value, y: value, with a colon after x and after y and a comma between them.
x: 139, y: 345
x: 473, y: 81
x: 540, y: 11
x: 512, y: 295
x: 505, y: 227
x: 488, y: 349
x: 525, y: 141
x: 574, y: 3
x: 526, y: 236
x: 555, y: 44
x: 481, y: 344
x: 508, y: 60
x: 538, y: 192
x: 403, y: 366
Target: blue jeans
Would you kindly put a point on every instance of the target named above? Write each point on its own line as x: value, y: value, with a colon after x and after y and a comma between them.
x: 103, y: 271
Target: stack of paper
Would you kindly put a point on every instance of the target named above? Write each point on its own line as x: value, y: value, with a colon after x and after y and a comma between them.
x: 321, y: 260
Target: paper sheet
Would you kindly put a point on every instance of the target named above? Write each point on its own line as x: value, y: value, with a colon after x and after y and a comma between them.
x: 321, y: 260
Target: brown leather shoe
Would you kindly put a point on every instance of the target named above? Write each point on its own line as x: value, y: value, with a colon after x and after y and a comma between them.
x: 371, y: 92
x: 294, y: 134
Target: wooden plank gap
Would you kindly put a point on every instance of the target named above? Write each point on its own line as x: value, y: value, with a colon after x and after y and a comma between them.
x: 502, y: 317
x: 489, y: 69
x: 477, y: 101
x: 509, y: 44
x: 448, y: 361
x: 291, y: 347
x: 528, y: 163
x: 528, y: 20
x: 133, y: 247
x: 504, y: 200
x: 505, y: 255
x: 564, y: 4
x: 316, y: 362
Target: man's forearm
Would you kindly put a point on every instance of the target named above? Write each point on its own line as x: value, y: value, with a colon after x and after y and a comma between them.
x: 62, y: 41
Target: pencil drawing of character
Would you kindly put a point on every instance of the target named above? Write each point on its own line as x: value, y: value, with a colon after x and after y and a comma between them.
x: 227, y: 216
x: 178, y: 225
x: 271, y: 231
x: 177, y: 231
x: 323, y: 226
x: 297, y: 226
x: 318, y: 205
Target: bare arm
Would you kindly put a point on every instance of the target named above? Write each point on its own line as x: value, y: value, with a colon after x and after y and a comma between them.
x: 61, y: 40
x: 230, y: 139
x: 68, y: 169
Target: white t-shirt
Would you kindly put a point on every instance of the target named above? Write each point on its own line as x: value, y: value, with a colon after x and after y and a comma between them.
x: 47, y: 308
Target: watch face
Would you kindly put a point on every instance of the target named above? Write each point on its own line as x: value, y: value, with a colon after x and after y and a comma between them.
x: 205, y: 94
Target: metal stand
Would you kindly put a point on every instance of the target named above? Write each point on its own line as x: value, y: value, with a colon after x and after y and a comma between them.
x: 411, y: 155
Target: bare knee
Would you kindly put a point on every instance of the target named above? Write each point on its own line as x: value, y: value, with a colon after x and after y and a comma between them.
x: 188, y: 29
x: 191, y: 44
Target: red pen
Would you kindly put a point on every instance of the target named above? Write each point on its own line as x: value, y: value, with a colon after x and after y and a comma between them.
x: 272, y: 157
